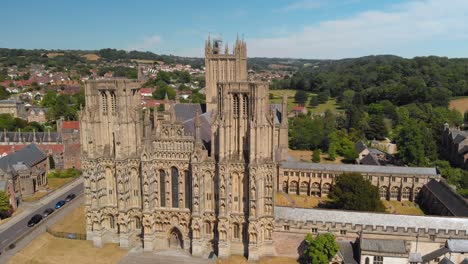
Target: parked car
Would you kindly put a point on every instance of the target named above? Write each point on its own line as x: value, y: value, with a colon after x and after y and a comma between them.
x: 59, y: 204
x: 48, y: 212
x: 70, y: 197
x: 34, y: 220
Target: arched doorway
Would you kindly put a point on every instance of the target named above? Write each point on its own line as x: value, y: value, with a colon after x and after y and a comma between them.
x: 175, y: 239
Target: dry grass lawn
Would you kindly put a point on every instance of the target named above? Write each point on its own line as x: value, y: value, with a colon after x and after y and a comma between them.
x: 299, y: 201
x: 54, y: 54
x: 91, y: 57
x: 74, y: 222
x: 55, y: 183
x: 306, y: 155
x: 459, y: 104
x: 266, y: 260
x: 403, y: 207
x: 47, y: 249
x: 328, y: 105
x: 35, y: 197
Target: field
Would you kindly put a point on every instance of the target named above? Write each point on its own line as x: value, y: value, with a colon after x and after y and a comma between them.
x: 267, y: 260
x: 328, y: 105
x: 51, y: 250
x: 91, y: 56
x: 300, y: 201
x: 403, y: 207
x: 73, y: 222
x: 55, y: 183
x: 54, y: 54
x: 460, y: 104
x: 306, y: 155
x: 331, y: 104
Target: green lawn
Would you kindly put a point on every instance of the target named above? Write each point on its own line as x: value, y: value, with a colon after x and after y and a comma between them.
x: 328, y: 105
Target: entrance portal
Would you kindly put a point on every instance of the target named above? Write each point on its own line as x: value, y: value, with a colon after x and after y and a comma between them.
x: 175, y: 239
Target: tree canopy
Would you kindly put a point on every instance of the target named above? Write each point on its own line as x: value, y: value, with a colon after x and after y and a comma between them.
x: 352, y: 192
x: 321, y: 249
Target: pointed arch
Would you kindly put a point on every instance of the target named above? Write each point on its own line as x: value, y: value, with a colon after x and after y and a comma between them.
x: 162, y: 187
x: 175, y: 187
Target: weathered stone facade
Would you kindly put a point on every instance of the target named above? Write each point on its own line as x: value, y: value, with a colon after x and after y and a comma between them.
x: 395, y: 183
x: 150, y: 180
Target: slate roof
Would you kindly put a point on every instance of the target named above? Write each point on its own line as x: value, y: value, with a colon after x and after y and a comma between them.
x: 445, y: 260
x: 457, y: 245
x: 384, y: 245
x: 435, y: 254
x: 370, y: 219
x: 360, y: 146
x: 185, y: 112
x: 360, y: 168
x: 452, y: 201
x: 415, y: 257
x: 205, y: 126
x: 29, y: 137
x: 370, y: 159
x: 30, y: 156
x: 346, y: 251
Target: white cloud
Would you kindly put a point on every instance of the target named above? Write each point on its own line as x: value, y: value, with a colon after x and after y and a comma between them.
x: 303, y: 4
x: 403, y: 27
x: 148, y: 43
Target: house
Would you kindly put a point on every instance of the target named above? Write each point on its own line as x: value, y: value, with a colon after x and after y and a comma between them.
x: 13, y: 107
x: 394, y: 251
x: 371, y: 156
x: 70, y: 132
x: 146, y: 92
x: 27, y: 170
x: 298, y: 109
x: 37, y: 114
x: 455, y: 146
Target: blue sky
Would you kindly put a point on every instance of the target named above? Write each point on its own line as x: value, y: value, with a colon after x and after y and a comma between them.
x: 272, y: 28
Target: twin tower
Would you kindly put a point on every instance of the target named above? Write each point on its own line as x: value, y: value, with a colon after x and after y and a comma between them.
x: 200, y: 182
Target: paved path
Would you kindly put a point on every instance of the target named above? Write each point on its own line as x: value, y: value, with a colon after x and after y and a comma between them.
x: 163, y: 257
x: 17, y: 226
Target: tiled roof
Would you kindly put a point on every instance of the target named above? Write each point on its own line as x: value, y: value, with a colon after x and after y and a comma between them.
x: 344, y: 168
x: 205, y: 126
x: 346, y: 251
x: 371, y: 219
x: 71, y: 125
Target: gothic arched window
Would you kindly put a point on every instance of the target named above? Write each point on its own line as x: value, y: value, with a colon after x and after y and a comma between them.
x: 162, y: 187
x: 175, y: 187
x: 188, y: 189
x: 235, y: 105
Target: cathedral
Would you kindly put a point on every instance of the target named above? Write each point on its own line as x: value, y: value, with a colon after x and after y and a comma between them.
x: 181, y: 178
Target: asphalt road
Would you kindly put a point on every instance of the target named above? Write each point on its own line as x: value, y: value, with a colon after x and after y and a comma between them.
x: 9, y: 235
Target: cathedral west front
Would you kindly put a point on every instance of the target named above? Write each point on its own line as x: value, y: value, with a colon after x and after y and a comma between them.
x: 179, y: 178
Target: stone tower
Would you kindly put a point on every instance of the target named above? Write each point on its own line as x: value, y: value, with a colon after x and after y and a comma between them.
x: 111, y: 143
x: 223, y: 66
x: 243, y: 148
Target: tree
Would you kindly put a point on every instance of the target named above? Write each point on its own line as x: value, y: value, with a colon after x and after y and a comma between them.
x: 163, y: 89
x: 163, y: 76
x: 411, y: 141
x: 4, y: 94
x: 352, y: 192
x: 184, y: 76
x: 321, y: 249
x: 316, y: 156
x: 300, y: 97
x: 376, y: 129
x: 465, y: 117
x: 4, y: 204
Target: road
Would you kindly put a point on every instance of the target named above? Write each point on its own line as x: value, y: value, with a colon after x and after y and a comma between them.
x: 10, y: 234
